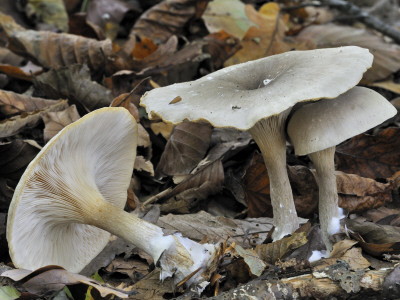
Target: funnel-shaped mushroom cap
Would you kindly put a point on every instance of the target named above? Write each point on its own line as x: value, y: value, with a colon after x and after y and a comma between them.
x: 88, y: 159
x: 323, y: 124
x: 240, y: 95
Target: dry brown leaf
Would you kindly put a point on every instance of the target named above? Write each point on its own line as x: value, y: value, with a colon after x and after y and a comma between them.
x: 264, y: 39
x: 152, y: 288
x: 135, y: 269
x: 52, y: 50
x: 142, y: 164
x: 15, y: 124
x: 275, y: 251
x: 371, y: 156
x: 251, y: 258
x: 247, y: 233
x: 375, y: 239
x: 167, y: 18
x: 125, y: 100
x: 187, y: 194
x: 12, y: 104
x: 355, y: 259
x: 55, y: 121
x: 185, y: 148
x: 341, y: 247
x: 74, y: 82
x: 383, y: 216
x: 14, y: 158
x: 386, y: 55
x: 54, y: 278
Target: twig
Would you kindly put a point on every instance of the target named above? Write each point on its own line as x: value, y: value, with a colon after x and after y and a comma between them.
x: 156, y: 197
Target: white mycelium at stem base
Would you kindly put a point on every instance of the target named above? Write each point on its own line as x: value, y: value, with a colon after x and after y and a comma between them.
x: 329, y: 216
x: 72, y: 194
x: 270, y: 138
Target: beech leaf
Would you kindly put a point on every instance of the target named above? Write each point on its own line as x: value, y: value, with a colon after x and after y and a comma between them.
x: 73, y: 82
x: 55, y: 121
x: 52, y: 50
x: 185, y: 148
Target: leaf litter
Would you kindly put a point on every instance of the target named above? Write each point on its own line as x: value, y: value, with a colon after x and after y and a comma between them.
x: 210, y: 184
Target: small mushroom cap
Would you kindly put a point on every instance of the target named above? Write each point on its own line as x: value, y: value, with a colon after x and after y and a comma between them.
x: 323, y: 124
x: 240, y: 95
x: 91, y: 158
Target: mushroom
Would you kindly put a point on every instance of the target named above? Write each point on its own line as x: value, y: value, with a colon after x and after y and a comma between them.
x: 316, y: 128
x: 71, y: 196
x: 257, y: 96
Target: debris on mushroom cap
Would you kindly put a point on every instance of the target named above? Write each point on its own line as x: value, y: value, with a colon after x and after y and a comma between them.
x: 91, y: 156
x: 240, y: 95
x: 332, y: 122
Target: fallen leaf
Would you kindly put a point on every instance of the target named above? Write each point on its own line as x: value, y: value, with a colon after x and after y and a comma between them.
x: 15, y: 124
x: 187, y: 194
x: 375, y: 239
x: 370, y: 156
x: 227, y: 15
x: 247, y: 232
x: 141, y: 164
x: 135, y: 269
x: 50, y: 12
x: 275, y: 251
x: 341, y: 247
x: 152, y: 288
x: 51, y: 50
x: 55, y: 121
x: 53, y: 278
x: 143, y: 48
x: 386, y: 55
x: 251, y: 258
x: 14, y: 158
x: 12, y: 104
x: 73, y: 82
x: 264, y: 39
x: 167, y: 18
x: 185, y: 148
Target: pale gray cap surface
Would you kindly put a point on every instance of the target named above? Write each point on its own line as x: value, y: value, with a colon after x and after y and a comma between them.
x: 240, y: 95
x: 91, y: 158
x: 326, y: 123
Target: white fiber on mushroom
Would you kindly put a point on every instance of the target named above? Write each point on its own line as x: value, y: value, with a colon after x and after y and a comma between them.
x: 71, y: 197
x: 316, y: 128
x: 257, y: 96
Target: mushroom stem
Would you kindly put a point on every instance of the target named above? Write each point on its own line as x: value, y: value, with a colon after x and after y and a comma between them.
x: 270, y: 138
x: 175, y: 254
x: 329, y: 215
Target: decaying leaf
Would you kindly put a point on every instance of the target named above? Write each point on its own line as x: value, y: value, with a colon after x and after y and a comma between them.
x: 251, y: 258
x: 12, y: 104
x: 247, y: 233
x: 386, y: 55
x: 185, y: 148
x: 52, y: 50
x: 275, y: 251
x: 141, y: 164
x: 13, y: 125
x: 187, y: 194
x: 264, y: 39
x: 9, y: 293
x: 371, y: 156
x: 227, y: 15
x: 73, y: 82
x: 375, y: 239
x: 52, y: 278
x: 152, y: 288
x: 167, y: 18
x: 55, y: 121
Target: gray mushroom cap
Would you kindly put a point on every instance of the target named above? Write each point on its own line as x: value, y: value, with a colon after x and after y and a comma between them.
x: 91, y: 158
x: 323, y: 124
x: 241, y: 95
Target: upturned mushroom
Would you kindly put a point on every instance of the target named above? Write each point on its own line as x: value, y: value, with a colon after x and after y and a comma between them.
x: 257, y: 96
x: 71, y: 197
x: 316, y: 128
